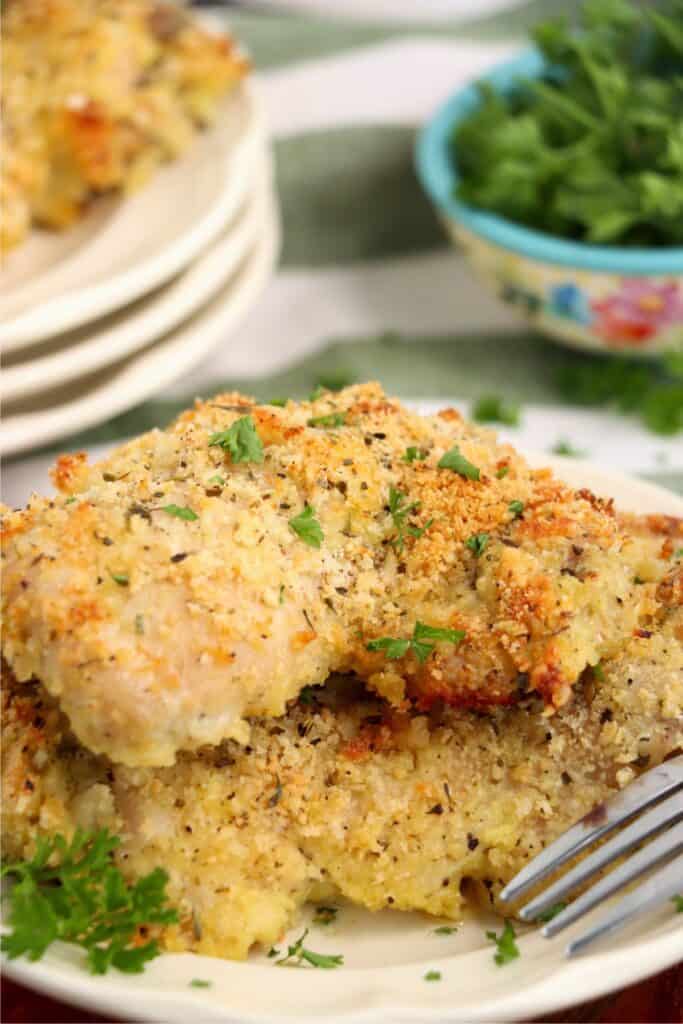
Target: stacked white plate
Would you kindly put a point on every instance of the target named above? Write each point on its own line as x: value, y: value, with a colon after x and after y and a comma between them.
x: 96, y: 319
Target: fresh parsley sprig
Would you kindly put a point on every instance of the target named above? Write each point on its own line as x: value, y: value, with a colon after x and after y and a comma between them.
x: 477, y: 543
x: 421, y: 643
x: 307, y: 527
x: 72, y: 891
x: 298, y: 954
x: 241, y: 440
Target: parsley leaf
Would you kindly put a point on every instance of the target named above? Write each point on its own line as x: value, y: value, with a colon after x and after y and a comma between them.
x: 399, y: 512
x: 393, y: 647
x: 494, y: 409
x: 279, y: 402
x: 420, y: 643
x: 550, y: 913
x: 335, y: 380
x: 507, y: 946
x: 445, y: 929
x: 297, y: 955
x: 119, y: 577
x: 678, y: 903
x: 433, y: 976
x: 516, y: 508
x: 502, y: 472
x: 317, y: 392
x: 180, y: 512
x: 456, y: 461
x: 331, y: 419
x: 200, y: 983
x: 307, y: 527
x: 72, y: 891
x: 477, y: 543
x: 564, y: 447
x: 241, y: 440
x: 413, y: 454
x: 325, y: 915
x: 216, y: 479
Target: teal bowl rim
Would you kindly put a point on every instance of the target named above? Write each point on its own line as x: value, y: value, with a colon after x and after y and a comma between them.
x: 438, y: 176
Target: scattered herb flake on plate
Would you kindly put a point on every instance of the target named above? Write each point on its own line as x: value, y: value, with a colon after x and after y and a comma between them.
x: 494, y: 409
x: 298, y: 954
x: 507, y: 949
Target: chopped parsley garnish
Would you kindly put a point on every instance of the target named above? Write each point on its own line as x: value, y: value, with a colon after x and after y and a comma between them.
x: 325, y: 915
x: 516, y: 508
x: 477, y: 543
x: 678, y: 903
x: 317, y: 392
x: 433, y: 976
x: 335, y: 380
x: 550, y: 913
x: 180, y: 512
x: 413, y: 454
x: 564, y: 447
x: 241, y: 440
x: 502, y: 472
x: 216, y: 479
x: 507, y: 947
x: 331, y: 419
x: 279, y: 402
x: 298, y: 954
x: 420, y: 643
x: 445, y: 929
x: 456, y: 461
x: 399, y: 512
x: 307, y: 527
x: 84, y: 899
x: 70, y: 501
x: 494, y: 409
x: 281, y: 594
x: 119, y: 577
x: 599, y: 672
x: 200, y: 983
x: 139, y: 624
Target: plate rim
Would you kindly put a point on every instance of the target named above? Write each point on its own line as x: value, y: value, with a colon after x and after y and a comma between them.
x: 163, y: 311
x: 80, y: 306
x: 183, y: 347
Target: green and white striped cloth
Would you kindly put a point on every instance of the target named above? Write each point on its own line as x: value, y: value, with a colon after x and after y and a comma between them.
x: 367, y: 285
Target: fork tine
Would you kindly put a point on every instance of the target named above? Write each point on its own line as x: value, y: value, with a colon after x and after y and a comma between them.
x: 638, y: 796
x: 665, y: 813
x: 665, y: 845
x: 662, y: 885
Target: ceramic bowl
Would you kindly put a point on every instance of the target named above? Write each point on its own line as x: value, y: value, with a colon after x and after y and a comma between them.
x: 603, y: 298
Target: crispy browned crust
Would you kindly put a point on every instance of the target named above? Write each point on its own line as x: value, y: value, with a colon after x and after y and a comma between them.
x: 158, y: 634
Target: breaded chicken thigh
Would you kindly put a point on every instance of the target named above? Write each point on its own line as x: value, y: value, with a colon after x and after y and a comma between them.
x: 206, y: 573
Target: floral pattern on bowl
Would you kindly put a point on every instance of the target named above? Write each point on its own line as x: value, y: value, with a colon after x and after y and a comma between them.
x: 587, y: 309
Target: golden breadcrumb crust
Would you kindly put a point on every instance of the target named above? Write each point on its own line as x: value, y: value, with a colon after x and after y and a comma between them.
x: 96, y: 94
x: 157, y: 633
x: 344, y: 797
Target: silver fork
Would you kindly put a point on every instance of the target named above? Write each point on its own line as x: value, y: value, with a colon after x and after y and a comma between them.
x: 655, y: 803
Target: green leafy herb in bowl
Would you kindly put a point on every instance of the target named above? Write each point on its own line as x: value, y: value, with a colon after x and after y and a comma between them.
x: 560, y: 175
x: 593, y: 148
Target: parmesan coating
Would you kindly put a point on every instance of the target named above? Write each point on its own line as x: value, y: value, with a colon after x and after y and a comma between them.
x: 157, y: 631
x: 345, y: 798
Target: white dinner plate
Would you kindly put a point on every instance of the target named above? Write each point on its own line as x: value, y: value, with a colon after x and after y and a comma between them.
x: 119, y: 387
x: 394, y: 10
x: 129, y: 245
x: 386, y: 954
x: 74, y: 355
